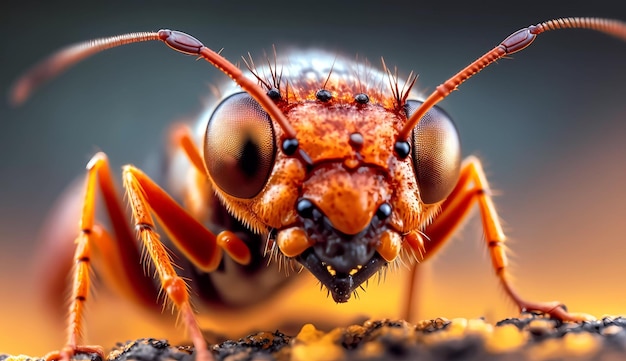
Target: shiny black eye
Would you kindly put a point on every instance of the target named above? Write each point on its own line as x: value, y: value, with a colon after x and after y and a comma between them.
x: 436, y: 151
x: 239, y: 146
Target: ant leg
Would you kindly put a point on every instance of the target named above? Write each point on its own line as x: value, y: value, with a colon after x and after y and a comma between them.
x: 181, y: 138
x: 412, y: 306
x: 121, y: 255
x: 191, y: 237
x: 472, y: 188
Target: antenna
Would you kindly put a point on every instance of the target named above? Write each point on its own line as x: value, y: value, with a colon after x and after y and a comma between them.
x: 514, y: 43
x: 179, y: 41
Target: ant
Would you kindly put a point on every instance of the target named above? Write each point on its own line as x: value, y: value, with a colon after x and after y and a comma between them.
x: 308, y: 164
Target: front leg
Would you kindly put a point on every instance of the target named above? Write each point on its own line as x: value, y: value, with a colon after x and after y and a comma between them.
x: 473, y: 188
x: 175, y: 287
x: 192, y: 238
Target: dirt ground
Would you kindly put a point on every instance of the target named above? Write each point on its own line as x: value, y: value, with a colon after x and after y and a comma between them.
x: 529, y: 337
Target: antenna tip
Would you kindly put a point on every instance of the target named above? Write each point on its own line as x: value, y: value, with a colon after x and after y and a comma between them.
x: 20, y: 92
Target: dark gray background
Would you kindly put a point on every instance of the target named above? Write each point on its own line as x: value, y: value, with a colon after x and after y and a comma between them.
x: 550, y: 125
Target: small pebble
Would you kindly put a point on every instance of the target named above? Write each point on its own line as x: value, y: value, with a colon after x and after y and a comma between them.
x: 505, y: 338
x: 612, y: 330
x: 580, y: 344
x: 480, y: 327
x: 541, y: 327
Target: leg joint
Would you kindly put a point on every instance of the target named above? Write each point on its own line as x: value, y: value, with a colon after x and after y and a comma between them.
x: 495, y: 243
x: 176, y: 289
x: 141, y: 227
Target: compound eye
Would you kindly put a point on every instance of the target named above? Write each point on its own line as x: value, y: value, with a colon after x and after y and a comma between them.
x: 239, y: 146
x: 436, y: 153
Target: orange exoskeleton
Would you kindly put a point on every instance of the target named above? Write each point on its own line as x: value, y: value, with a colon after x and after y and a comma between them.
x: 314, y: 160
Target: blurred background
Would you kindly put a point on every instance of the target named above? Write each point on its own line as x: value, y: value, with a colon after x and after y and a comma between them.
x: 549, y: 125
